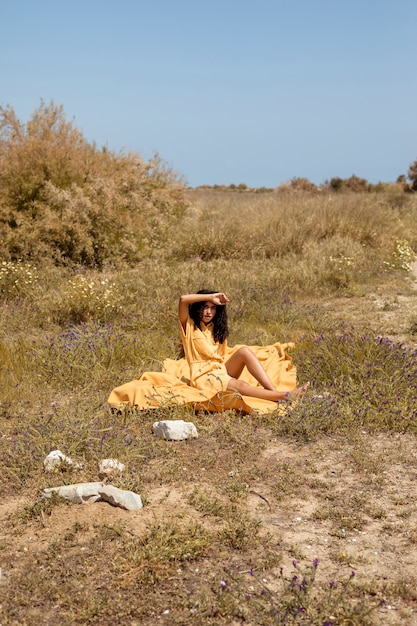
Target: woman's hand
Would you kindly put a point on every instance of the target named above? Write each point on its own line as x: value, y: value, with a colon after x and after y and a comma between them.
x: 219, y: 298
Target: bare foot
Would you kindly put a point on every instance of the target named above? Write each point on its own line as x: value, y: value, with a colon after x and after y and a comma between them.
x: 300, y: 391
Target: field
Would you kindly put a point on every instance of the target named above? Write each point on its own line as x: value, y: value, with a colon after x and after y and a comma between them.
x: 303, y: 516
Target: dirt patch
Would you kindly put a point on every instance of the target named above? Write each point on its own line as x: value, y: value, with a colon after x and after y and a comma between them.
x: 354, y: 510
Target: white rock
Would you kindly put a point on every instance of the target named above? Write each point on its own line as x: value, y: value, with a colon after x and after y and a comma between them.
x: 175, y: 430
x: 77, y: 493
x: 119, y: 497
x: 108, y: 467
x: 56, y: 459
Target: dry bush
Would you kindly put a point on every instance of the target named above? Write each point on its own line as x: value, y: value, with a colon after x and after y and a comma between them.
x: 297, y: 185
x: 412, y: 175
x: 63, y: 199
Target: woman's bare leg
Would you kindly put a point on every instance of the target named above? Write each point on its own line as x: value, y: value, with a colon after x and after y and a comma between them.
x: 245, y: 389
x: 244, y: 356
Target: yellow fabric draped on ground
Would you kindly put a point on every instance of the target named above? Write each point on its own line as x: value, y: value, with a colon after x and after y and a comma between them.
x: 201, y: 378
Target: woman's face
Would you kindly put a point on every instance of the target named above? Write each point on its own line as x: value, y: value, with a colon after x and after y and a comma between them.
x: 207, y: 312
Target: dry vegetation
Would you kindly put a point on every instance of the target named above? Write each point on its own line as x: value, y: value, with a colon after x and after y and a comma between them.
x: 302, y: 517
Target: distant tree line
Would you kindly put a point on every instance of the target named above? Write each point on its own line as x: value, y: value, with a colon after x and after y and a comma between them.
x: 352, y: 184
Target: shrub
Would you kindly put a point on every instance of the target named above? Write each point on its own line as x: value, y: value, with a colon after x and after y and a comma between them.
x: 298, y: 184
x: 412, y: 175
x: 64, y: 199
x: 294, y: 598
x: 353, y: 183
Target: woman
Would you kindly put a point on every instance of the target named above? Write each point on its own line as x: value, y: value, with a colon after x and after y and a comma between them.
x: 204, y: 330
x: 213, y: 376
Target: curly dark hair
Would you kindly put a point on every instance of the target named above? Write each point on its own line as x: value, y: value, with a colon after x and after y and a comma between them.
x: 221, y: 328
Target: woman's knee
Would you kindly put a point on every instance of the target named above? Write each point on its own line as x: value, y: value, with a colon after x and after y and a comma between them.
x: 244, y: 352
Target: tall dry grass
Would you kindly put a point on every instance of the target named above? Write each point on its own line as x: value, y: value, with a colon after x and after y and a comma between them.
x: 274, y: 224
x: 319, y: 242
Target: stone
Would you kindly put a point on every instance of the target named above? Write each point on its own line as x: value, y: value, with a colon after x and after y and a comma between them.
x: 120, y: 497
x: 78, y: 493
x: 97, y: 491
x: 174, y: 430
x: 57, y: 459
x: 110, y: 467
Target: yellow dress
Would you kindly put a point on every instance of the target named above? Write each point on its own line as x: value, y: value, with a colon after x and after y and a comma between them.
x: 201, y: 378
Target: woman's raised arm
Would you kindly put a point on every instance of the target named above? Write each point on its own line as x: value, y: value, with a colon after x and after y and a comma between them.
x: 218, y: 298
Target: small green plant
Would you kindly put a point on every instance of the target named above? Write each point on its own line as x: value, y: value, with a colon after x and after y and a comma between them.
x: 39, y: 509
x: 162, y: 548
x: 240, y: 532
x: 207, y: 504
x: 358, y: 379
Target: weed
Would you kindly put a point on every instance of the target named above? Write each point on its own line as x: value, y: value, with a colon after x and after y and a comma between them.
x: 294, y: 599
x: 86, y: 298
x: 17, y: 279
x: 207, y: 504
x: 154, y: 556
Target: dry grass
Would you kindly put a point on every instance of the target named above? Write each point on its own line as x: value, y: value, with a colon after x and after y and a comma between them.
x: 302, y: 518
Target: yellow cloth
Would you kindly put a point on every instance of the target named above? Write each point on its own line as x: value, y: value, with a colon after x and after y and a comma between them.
x: 201, y: 377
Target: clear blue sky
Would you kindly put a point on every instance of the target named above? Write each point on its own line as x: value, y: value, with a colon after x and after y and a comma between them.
x: 230, y: 91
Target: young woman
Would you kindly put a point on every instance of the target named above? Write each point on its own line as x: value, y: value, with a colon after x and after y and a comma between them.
x: 214, y: 376
x: 204, y: 330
